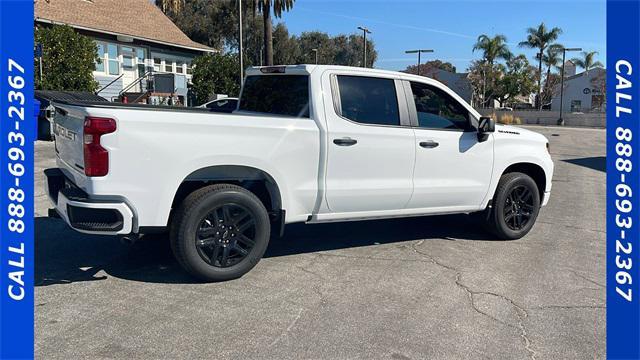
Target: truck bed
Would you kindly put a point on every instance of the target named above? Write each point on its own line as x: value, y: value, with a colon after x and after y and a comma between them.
x: 115, y: 105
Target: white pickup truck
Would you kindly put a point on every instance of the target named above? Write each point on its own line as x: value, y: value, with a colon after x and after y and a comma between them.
x: 307, y: 143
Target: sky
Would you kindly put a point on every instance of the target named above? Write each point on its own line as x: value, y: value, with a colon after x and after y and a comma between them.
x: 450, y: 28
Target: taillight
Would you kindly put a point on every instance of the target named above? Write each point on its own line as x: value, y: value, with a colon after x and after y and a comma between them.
x: 96, y: 158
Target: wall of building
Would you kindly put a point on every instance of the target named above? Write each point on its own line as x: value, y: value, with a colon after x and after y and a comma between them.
x: 458, y: 82
x: 112, y: 90
x: 580, y: 88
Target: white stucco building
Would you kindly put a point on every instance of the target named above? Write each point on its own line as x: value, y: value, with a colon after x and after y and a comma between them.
x: 583, y: 92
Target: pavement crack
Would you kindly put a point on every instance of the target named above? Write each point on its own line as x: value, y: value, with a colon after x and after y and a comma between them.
x: 288, y: 329
x: 521, y: 312
x: 570, y: 226
x: 586, y: 278
x: 545, y: 307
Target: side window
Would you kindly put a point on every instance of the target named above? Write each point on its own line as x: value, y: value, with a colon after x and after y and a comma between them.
x: 368, y: 100
x: 438, y: 110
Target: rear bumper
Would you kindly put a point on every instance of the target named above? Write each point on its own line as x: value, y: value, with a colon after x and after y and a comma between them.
x: 90, y: 216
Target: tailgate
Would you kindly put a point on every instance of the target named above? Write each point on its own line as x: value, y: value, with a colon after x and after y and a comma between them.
x: 68, y: 124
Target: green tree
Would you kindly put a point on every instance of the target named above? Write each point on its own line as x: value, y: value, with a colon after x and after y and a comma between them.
x: 286, y: 49
x: 68, y: 59
x: 321, y: 41
x: 429, y: 67
x: 540, y: 38
x: 517, y: 79
x: 551, y: 59
x: 483, y: 77
x: 349, y: 50
x: 215, y: 74
x: 587, y: 61
x: 492, y: 48
x: 213, y: 23
x: 265, y: 7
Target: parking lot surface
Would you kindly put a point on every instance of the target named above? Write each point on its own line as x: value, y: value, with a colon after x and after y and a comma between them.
x: 428, y: 287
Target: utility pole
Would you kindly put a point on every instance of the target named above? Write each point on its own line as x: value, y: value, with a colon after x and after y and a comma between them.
x: 419, y: 51
x: 240, y: 42
x: 365, y: 31
x: 316, y: 52
x: 564, y: 54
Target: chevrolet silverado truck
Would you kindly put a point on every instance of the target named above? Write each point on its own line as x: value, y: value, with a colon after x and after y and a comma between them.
x: 307, y: 143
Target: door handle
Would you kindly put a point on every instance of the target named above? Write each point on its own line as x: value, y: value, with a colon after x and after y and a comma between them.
x: 346, y: 141
x: 429, y: 144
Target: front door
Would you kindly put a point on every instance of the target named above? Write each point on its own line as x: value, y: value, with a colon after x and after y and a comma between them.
x: 370, y: 153
x: 129, y: 68
x: 453, y: 169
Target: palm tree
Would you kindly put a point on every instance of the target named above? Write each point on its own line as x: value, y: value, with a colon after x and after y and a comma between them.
x: 493, y: 48
x: 586, y: 62
x: 552, y: 59
x: 264, y: 7
x: 173, y: 6
x: 539, y: 38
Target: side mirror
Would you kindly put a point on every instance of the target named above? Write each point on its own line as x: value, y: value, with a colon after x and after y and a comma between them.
x: 486, y: 125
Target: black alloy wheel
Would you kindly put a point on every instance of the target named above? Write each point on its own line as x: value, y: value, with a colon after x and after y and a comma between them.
x: 515, y: 206
x: 518, y: 208
x: 220, y: 232
x: 226, y: 235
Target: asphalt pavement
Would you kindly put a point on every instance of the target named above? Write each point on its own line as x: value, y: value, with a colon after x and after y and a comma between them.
x: 417, y: 288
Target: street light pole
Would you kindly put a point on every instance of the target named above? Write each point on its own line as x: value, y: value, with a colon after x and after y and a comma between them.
x: 564, y: 54
x: 365, y: 31
x: 316, y: 52
x: 240, y: 43
x: 419, y: 51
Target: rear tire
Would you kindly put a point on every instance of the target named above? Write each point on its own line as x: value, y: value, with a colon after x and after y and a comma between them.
x: 515, y: 206
x: 220, y: 232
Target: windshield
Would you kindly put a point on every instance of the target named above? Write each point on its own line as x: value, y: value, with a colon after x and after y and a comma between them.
x: 276, y: 94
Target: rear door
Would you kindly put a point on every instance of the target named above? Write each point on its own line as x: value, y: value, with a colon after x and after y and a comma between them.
x: 371, y: 150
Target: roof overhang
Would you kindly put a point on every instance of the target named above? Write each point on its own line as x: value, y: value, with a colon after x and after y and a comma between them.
x: 121, y: 35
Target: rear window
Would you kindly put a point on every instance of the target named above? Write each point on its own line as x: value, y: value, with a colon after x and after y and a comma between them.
x: 369, y: 100
x: 276, y: 94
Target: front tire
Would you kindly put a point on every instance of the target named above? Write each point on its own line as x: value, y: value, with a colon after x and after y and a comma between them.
x: 515, y: 206
x: 220, y: 232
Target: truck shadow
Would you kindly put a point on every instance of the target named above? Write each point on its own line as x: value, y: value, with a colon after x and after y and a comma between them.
x: 598, y: 163
x: 64, y: 256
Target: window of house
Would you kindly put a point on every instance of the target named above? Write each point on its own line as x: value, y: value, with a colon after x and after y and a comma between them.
x: 113, y: 63
x: 168, y: 66
x: 140, y: 58
x: 127, y: 61
x: 157, y: 64
x: 179, y: 68
x: 438, y: 110
x: 100, y: 62
x: 368, y: 100
x: 189, y: 69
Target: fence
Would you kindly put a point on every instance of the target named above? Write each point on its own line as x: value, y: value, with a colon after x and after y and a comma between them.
x: 594, y: 119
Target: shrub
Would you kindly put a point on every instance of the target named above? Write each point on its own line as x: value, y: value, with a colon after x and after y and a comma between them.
x: 506, y: 119
x: 215, y: 74
x: 68, y: 59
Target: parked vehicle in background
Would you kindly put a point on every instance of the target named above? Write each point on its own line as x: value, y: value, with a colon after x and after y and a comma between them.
x: 505, y: 108
x: 308, y: 143
x: 224, y: 105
